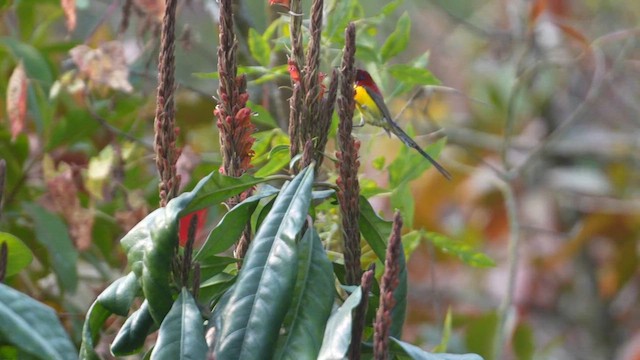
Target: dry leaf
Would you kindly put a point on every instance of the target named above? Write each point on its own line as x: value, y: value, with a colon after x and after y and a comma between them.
x: 63, y: 194
x: 17, y: 100
x: 69, y: 8
x: 104, y: 66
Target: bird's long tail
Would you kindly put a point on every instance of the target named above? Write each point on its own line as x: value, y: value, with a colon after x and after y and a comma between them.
x: 407, y: 140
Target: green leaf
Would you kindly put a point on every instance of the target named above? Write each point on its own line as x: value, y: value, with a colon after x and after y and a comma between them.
x: 367, y: 54
x: 259, y: 47
x: 52, y: 232
x: 94, y: 320
x: 213, y: 265
x: 390, y: 7
x: 337, y: 334
x: 216, y: 188
x: 375, y: 230
x: 524, y: 342
x: 398, y: 40
x: 446, y: 333
x: 399, y: 312
x: 261, y: 115
x: 481, y: 334
x: 260, y: 298
x: 134, y: 332
x: 279, y: 157
x: 338, y: 19
x: 413, y: 75
x: 403, y: 200
x: 413, y: 352
x: 231, y: 226
x: 311, y: 302
x: 18, y: 254
x: 215, y: 286
x: 32, y: 327
x: 181, y: 335
x: 35, y: 64
x: 460, y: 249
x: 117, y: 298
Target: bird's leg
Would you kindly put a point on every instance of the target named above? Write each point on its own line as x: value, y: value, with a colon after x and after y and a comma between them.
x: 361, y: 123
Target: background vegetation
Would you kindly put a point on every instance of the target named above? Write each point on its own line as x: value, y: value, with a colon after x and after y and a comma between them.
x: 530, y: 252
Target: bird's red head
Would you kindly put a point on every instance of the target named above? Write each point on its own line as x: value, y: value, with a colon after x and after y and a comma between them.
x: 364, y: 79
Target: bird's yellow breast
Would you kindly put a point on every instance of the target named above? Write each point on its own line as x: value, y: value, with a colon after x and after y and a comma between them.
x: 368, y: 108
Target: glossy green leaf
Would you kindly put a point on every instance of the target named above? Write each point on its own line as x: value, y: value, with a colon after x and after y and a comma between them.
x: 213, y: 265
x: 216, y: 188
x: 94, y: 320
x: 398, y: 40
x: 18, y: 254
x: 375, y: 230
x: 259, y: 47
x: 415, y: 353
x: 413, y: 75
x: 260, y: 298
x: 463, y: 251
x: 231, y: 226
x: 134, y: 332
x: 311, y: 302
x: 115, y: 299
x: 32, y: 326
x: 52, y: 232
x: 214, y: 287
x: 181, y: 335
x: 337, y: 334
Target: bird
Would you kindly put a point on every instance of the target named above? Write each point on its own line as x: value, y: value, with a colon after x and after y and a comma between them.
x: 374, y: 111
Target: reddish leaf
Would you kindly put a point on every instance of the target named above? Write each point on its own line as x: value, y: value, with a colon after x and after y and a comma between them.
x: 17, y: 100
x: 69, y: 8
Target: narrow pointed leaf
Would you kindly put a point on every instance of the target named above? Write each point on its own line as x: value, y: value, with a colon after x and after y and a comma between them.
x: 337, y: 334
x: 399, y: 311
x: 19, y: 255
x: 375, y: 230
x: 181, y: 335
x: 52, y: 232
x: 216, y: 188
x: 398, y: 40
x: 117, y: 298
x: 231, y: 226
x: 260, y: 298
x: 312, y: 301
x: 32, y: 327
x: 415, y: 353
x: 133, y: 332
